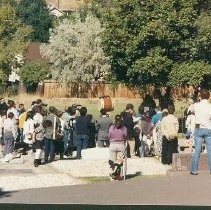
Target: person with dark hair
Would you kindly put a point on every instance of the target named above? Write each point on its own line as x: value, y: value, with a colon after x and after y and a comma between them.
x: 66, y: 118
x: 69, y: 138
x: 148, y: 105
x: 59, y: 144
x: 146, y: 133
x: 202, y: 133
x: 127, y: 117
x: 166, y: 100
x: 169, y: 129
x: 102, y: 127
x: 21, y: 120
x: 82, y: 126
x: 51, y: 125
x: 92, y: 132
x: 21, y: 109
x: 12, y: 108
x: 28, y: 129
x: 3, y: 106
x: 39, y: 134
x: 3, y: 116
x: 10, y: 134
x: 117, y: 136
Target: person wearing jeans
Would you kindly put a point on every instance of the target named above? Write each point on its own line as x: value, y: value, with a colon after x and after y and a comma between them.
x: 49, y: 149
x: 201, y: 134
x: 51, y: 124
x: 82, y: 126
x: 202, y: 112
x: 82, y: 143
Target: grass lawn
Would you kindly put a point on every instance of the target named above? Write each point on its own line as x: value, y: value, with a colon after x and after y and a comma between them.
x: 92, y: 104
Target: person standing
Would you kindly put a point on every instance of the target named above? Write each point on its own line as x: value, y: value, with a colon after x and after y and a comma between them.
x: 39, y: 134
x: 59, y: 144
x: 51, y: 125
x: 165, y: 100
x: 156, y: 118
x: 117, y: 136
x: 103, y: 126
x: 169, y: 129
x: 202, y: 112
x: 10, y: 134
x: 2, y: 118
x: 12, y: 109
x: 127, y: 117
x: 82, y: 127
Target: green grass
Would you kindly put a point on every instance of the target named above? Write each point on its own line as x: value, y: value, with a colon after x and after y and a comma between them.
x: 92, y: 104
x: 95, y: 179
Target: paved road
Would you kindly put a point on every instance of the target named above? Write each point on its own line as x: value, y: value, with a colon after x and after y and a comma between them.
x: 169, y: 190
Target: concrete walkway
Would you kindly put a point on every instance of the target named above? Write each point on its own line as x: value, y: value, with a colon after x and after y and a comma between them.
x: 69, y: 172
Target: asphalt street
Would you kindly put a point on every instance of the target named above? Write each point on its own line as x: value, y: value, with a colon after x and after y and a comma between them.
x: 164, y: 190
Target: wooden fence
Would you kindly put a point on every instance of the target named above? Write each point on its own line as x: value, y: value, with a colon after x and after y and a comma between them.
x: 54, y: 89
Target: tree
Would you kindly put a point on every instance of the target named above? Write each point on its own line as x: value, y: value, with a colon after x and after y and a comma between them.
x: 75, y: 51
x: 37, y: 15
x: 147, y: 40
x: 32, y: 73
x: 13, y: 38
x: 11, y: 2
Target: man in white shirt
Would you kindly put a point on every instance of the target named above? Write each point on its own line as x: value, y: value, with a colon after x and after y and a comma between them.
x: 169, y: 129
x: 202, y: 112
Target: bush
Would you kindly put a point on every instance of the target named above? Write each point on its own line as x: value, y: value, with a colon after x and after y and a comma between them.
x: 32, y: 73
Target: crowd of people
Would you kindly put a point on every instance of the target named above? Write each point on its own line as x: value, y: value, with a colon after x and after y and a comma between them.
x: 153, y: 131
x: 42, y: 129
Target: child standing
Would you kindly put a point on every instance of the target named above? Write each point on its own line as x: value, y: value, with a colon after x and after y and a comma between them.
x: 10, y: 134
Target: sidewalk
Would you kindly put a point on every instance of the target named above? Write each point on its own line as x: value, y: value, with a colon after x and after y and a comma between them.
x: 94, y: 163
x: 21, y: 174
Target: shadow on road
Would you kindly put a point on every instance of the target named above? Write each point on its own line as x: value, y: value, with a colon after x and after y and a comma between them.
x: 6, y: 193
x: 130, y: 176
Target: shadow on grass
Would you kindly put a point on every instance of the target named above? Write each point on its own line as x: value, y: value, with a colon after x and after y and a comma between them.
x: 98, y: 179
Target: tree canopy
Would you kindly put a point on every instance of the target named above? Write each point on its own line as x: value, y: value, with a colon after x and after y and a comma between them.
x: 75, y: 50
x: 33, y: 73
x: 156, y: 43
x: 37, y: 15
x: 13, y: 38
